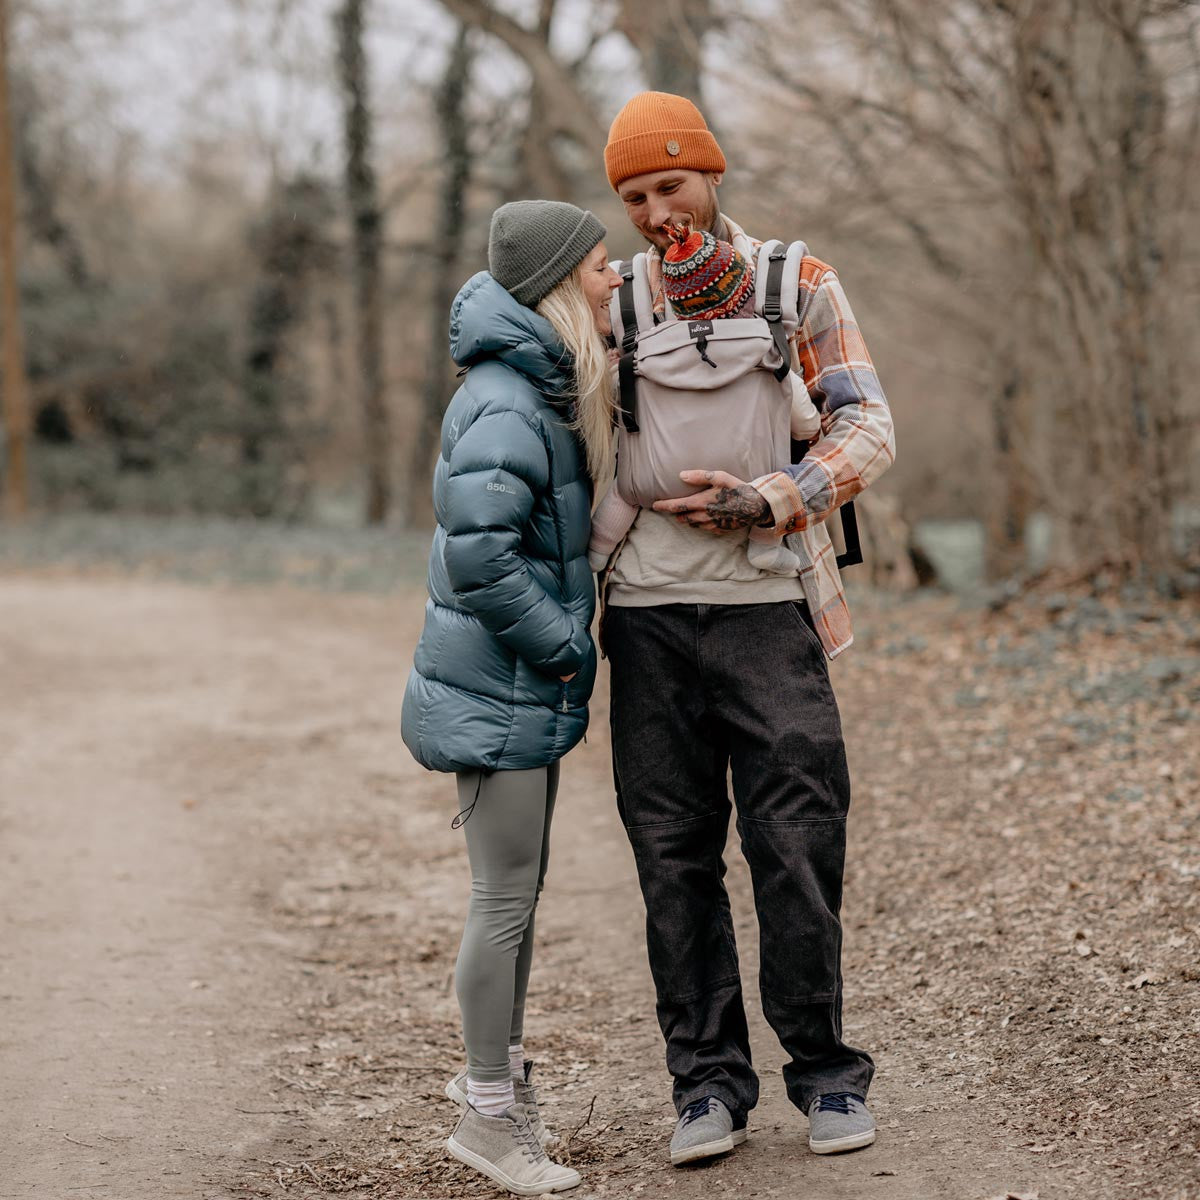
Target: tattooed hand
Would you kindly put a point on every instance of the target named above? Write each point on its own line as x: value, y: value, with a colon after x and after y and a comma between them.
x: 728, y: 503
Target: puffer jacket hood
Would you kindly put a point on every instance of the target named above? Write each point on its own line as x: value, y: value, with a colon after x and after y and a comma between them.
x: 487, y: 322
x: 511, y: 596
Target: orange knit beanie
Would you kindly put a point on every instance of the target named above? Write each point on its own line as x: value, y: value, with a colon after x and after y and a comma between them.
x: 656, y: 131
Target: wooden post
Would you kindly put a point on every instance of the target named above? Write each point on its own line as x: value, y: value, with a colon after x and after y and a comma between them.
x: 16, y: 391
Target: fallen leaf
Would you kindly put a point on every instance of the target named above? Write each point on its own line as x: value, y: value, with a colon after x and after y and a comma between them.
x: 1146, y: 979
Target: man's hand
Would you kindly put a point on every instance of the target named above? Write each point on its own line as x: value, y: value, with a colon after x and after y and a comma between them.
x: 728, y: 503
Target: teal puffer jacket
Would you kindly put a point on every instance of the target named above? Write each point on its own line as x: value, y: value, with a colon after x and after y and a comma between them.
x: 510, y: 593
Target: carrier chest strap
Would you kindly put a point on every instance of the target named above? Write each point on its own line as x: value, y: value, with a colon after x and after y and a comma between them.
x: 773, y: 311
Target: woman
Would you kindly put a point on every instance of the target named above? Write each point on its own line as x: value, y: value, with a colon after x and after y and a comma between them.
x: 505, y: 665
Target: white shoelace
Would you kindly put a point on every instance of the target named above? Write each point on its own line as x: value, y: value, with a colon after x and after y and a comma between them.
x: 528, y: 1139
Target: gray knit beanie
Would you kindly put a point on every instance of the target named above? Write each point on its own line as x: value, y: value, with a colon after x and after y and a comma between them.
x: 535, y: 244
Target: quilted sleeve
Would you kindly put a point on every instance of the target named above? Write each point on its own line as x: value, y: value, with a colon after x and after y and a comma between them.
x: 859, y: 441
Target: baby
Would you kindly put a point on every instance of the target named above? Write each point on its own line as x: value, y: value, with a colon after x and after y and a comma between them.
x: 705, y: 280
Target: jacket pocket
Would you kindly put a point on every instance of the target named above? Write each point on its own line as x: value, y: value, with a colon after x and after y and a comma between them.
x: 534, y: 686
x: 578, y: 691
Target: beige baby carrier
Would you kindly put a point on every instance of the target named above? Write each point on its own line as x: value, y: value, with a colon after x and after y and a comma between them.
x: 708, y: 394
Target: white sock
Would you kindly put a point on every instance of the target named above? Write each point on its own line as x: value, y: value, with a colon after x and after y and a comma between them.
x: 516, y: 1061
x: 491, y: 1099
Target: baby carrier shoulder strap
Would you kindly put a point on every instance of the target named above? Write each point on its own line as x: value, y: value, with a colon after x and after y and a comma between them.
x: 776, y: 294
x: 777, y: 301
x: 632, y: 304
x: 631, y: 309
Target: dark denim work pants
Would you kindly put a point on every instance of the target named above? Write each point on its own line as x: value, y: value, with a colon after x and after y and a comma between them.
x: 697, y: 689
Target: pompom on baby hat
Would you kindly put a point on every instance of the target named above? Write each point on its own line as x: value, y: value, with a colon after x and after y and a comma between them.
x: 703, y: 278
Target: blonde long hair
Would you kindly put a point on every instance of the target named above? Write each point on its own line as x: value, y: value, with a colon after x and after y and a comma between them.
x: 568, y: 312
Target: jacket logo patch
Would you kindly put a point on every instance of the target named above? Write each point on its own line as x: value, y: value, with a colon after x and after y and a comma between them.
x: 501, y: 487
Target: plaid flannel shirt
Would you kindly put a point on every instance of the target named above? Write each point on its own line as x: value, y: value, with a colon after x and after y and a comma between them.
x: 856, y: 446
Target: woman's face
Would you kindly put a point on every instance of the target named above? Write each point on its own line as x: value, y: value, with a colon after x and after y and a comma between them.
x: 598, y: 280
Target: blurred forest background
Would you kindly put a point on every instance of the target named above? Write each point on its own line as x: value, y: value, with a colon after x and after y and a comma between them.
x: 230, y: 234
x: 237, y: 227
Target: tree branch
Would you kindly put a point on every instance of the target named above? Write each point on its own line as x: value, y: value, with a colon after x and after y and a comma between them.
x: 572, y: 114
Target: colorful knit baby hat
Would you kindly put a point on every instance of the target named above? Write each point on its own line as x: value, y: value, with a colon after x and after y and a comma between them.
x: 704, y: 279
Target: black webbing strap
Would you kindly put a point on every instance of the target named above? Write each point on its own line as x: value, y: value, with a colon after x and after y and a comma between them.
x: 626, y: 379
x: 627, y: 386
x: 853, y: 555
x: 629, y: 325
x: 773, y: 311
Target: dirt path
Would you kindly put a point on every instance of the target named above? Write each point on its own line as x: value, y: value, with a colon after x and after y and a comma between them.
x: 229, y: 908
x: 142, y: 980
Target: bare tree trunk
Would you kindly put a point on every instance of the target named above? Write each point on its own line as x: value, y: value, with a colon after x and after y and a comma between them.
x: 886, y: 542
x: 366, y: 218
x: 45, y: 221
x: 1012, y: 430
x: 542, y: 172
x: 668, y: 36
x: 289, y: 247
x: 452, y: 216
x: 1083, y: 90
x: 1143, y: 323
x: 1051, y: 122
x: 16, y: 387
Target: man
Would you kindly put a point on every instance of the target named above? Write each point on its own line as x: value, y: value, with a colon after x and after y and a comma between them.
x: 718, y: 666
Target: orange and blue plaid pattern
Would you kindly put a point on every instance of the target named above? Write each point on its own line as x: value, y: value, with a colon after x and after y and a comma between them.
x: 857, y: 442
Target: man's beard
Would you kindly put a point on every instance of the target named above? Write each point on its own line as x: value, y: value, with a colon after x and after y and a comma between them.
x: 708, y: 218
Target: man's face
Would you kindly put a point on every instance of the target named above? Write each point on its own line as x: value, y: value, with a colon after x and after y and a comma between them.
x: 682, y: 197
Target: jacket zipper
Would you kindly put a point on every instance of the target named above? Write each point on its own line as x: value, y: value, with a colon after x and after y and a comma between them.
x: 562, y: 700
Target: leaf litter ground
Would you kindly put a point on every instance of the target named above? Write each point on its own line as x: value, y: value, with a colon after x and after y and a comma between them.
x: 1022, y: 935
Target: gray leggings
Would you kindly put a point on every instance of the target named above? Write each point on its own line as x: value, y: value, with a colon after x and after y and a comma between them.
x: 508, y: 843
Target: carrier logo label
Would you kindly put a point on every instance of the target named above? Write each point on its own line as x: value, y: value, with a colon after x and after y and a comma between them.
x: 698, y: 329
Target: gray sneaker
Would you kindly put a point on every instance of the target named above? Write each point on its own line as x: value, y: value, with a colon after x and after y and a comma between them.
x: 524, y: 1092
x: 705, y: 1128
x: 506, y: 1150
x: 839, y: 1121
